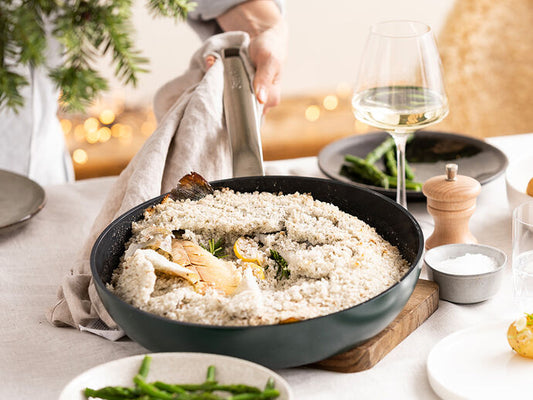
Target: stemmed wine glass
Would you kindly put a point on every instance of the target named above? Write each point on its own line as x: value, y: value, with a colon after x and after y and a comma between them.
x: 400, y: 87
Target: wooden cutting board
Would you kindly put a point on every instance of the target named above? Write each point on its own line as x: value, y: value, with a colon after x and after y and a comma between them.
x: 422, y: 303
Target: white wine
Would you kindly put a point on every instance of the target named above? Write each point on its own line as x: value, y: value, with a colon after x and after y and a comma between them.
x: 399, y: 108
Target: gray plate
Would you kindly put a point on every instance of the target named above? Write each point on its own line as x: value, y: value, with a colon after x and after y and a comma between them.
x: 20, y: 199
x: 428, y: 153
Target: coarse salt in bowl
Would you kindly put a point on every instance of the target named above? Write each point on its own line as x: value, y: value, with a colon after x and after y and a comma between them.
x: 466, y: 273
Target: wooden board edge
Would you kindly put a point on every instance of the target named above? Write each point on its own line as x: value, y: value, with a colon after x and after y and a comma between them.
x: 421, y: 305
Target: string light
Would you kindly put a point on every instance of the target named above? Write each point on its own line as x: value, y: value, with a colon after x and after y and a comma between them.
x: 330, y: 102
x: 128, y: 128
x: 312, y: 113
x: 91, y: 125
x: 80, y: 156
x: 115, y: 130
x: 79, y: 133
x: 107, y: 117
x: 66, y: 126
x: 125, y: 134
x: 104, y: 134
x: 91, y: 137
x: 344, y: 90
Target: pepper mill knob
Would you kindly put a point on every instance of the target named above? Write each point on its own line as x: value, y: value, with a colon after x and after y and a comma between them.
x: 451, y: 201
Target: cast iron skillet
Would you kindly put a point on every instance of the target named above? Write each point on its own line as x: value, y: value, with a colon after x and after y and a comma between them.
x: 275, y: 346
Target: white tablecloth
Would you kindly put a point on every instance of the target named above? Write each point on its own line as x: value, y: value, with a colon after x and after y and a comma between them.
x: 37, y: 360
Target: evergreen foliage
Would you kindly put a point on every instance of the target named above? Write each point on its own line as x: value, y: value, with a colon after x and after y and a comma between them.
x: 86, y: 31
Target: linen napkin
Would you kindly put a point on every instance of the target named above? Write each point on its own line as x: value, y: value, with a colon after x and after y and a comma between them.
x: 191, y: 136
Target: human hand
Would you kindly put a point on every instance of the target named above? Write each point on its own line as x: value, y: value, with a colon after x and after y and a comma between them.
x: 262, y: 20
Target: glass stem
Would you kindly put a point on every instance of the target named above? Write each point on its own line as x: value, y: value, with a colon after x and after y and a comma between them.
x: 400, y: 139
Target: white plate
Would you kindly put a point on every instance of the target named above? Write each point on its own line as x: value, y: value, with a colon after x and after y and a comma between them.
x: 175, y: 368
x: 478, y: 363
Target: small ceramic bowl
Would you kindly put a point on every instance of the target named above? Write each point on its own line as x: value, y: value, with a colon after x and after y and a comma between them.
x: 465, y: 288
x: 517, y: 176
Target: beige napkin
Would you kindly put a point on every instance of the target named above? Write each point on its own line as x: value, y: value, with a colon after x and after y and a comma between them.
x: 191, y: 136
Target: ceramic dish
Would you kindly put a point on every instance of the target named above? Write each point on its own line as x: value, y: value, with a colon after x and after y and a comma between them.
x: 175, y: 368
x: 478, y: 363
x: 428, y: 153
x: 20, y: 199
x: 465, y: 288
x: 517, y: 176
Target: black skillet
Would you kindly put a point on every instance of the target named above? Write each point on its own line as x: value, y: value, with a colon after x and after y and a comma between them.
x: 275, y: 346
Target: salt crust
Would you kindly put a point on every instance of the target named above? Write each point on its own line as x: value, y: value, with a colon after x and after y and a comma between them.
x: 335, y: 260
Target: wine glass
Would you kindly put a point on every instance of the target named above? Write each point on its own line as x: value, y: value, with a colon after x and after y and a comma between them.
x: 400, y: 87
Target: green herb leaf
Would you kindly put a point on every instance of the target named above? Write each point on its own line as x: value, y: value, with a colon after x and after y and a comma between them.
x: 215, y: 248
x: 283, y: 267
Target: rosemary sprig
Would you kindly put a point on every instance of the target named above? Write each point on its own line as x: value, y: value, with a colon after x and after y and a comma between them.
x: 215, y: 248
x: 283, y: 267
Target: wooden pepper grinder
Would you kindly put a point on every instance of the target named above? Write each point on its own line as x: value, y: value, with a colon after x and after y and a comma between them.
x: 451, y: 201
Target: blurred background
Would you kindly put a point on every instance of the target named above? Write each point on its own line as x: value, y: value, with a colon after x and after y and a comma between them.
x: 485, y: 45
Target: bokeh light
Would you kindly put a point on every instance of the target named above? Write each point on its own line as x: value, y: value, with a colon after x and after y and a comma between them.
x: 107, y: 117
x: 330, y: 102
x: 80, y: 156
x: 104, y: 134
x: 312, y: 113
x: 91, y: 125
x: 66, y: 126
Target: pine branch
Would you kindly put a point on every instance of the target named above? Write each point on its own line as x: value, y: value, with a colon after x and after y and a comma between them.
x: 117, y: 39
x: 87, y: 30
x: 176, y: 9
x: 22, y: 42
x: 28, y: 33
x: 11, y: 84
x: 79, y: 86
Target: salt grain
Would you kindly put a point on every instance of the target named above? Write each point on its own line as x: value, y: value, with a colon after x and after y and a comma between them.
x: 469, y: 264
x: 335, y: 260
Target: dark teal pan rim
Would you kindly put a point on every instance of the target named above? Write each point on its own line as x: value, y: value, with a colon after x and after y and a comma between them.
x: 416, y: 264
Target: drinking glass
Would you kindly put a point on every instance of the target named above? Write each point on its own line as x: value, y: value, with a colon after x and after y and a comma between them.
x: 399, y: 87
x: 523, y: 256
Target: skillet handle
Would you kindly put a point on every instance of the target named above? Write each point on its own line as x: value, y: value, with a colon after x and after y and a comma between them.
x: 242, y: 113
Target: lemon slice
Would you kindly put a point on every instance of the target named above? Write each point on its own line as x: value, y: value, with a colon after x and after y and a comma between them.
x: 246, y: 249
x: 257, y: 270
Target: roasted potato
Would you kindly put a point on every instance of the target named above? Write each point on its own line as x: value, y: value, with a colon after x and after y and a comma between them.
x: 520, y: 335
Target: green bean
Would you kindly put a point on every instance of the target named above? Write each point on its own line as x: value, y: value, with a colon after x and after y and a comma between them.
x: 390, y: 162
x: 183, y: 388
x: 151, y: 390
x: 409, y: 174
x: 391, y: 166
x: 367, y: 171
x: 380, y: 150
x: 112, y: 393
x: 169, y: 387
x: 385, y: 146
x: 210, y: 376
x: 409, y: 185
x: 270, y: 384
x: 264, y: 395
x: 144, y: 390
x: 145, y: 366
